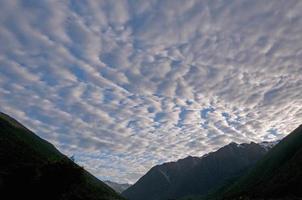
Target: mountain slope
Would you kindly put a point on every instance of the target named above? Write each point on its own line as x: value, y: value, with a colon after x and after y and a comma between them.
x: 156, y: 183
x: 277, y: 175
x: 32, y: 168
x: 196, y: 176
x: 118, y: 187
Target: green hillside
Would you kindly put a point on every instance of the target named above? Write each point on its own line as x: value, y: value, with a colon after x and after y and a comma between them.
x: 32, y: 168
x: 277, y: 175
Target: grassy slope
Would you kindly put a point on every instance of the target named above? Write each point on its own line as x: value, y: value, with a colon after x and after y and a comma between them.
x: 276, y: 175
x: 33, y: 168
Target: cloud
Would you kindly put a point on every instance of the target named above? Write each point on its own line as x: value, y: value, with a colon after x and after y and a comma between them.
x: 127, y: 85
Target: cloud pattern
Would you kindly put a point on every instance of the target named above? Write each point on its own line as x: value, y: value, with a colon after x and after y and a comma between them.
x: 124, y: 85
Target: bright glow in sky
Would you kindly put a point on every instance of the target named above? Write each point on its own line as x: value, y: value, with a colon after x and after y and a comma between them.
x: 126, y: 84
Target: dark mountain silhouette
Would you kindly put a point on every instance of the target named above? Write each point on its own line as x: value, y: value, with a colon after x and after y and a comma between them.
x: 196, y: 176
x: 277, y: 175
x: 118, y: 187
x: 32, y: 168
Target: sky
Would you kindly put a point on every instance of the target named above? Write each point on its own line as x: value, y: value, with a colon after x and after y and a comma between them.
x: 124, y: 85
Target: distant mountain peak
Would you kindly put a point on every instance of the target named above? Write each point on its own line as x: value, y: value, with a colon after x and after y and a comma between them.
x: 196, y: 175
x: 118, y: 187
x: 267, y: 145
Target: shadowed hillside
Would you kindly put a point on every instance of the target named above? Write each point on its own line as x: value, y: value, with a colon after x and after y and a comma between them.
x: 277, y: 175
x: 32, y: 168
x: 194, y: 176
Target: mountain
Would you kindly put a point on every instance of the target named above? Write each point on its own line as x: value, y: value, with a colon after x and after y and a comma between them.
x: 32, y: 168
x: 277, y: 175
x: 193, y: 176
x: 118, y: 187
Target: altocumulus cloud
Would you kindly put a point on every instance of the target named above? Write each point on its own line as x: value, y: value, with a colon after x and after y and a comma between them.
x: 124, y: 85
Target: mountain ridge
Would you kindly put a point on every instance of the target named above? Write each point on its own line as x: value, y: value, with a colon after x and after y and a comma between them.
x: 277, y: 175
x: 174, y: 179
x: 118, y: 187
x: 33, y: 168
